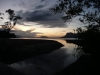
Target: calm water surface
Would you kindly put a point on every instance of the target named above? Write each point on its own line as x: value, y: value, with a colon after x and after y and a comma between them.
x: 47, y: 64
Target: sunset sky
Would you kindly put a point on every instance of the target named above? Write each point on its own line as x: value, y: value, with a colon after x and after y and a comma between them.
x: 37, y: 19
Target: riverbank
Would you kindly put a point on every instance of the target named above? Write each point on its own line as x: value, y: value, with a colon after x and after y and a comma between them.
x: 88, y: 63
x: 15, y: 50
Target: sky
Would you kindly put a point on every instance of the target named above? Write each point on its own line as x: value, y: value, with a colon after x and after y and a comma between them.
x: 37, y: 19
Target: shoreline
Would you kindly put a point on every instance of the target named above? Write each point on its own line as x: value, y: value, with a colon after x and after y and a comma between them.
x: 15, y: 50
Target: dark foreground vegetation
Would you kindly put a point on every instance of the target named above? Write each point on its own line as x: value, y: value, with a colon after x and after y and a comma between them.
x: 6, y: 34
x: 15, y: 50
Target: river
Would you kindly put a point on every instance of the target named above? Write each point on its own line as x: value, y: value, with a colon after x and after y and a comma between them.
x: 47, y: 64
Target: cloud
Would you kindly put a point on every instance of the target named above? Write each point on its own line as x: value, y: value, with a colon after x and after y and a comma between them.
x: 39, y: 6
x: 53, y: 24
x: 30, y: 4
x: 39, y: 13
x: 29, y: 31
x: 42, y: 0
x: 46, y: 18
x: 26, y: 34
x: 22, y: 23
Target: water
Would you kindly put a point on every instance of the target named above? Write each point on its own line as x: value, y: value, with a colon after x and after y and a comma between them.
x: 47, y: 64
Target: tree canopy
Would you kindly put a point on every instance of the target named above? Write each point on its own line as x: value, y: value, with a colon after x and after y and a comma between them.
x: 88, y: 9
x: 12, y: 18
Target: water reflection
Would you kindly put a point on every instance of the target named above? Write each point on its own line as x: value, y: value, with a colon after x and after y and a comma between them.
x: 47, y: 64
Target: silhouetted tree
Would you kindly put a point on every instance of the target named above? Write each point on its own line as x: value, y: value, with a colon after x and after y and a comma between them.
x: 87, y: 10
x: 12, y: 18
x: 9, y: 24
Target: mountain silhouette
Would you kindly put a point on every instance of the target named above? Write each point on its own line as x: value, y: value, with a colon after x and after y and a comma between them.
x: 70, y: 35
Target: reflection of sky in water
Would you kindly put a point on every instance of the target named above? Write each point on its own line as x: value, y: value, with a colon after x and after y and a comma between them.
x: 47, y: 64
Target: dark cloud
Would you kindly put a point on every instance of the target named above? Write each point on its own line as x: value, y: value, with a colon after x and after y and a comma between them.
x: 45, y: 18
x: 22, y: 23
x: 52, y: 24
x: 38, y: 15
x: 39, y: 6
x: 42, y: 0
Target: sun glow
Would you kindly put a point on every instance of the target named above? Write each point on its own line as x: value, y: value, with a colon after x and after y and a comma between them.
x: 22, y: 28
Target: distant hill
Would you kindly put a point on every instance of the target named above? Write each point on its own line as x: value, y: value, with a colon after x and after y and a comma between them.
x: 4, y: 34
x: 43, y: 37
x: 70, y: 35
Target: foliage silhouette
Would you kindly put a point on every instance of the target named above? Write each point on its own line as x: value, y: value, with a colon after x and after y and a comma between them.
x: 74, y: 8
x: 7, y: 35
x: 91, y: 32
x: 9, y: 24
x: 12, y: 18
x: 88, y: 12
